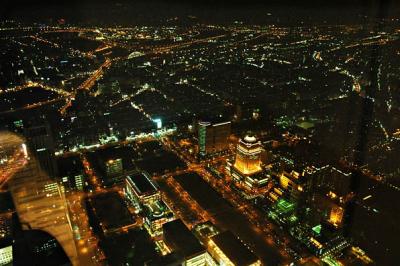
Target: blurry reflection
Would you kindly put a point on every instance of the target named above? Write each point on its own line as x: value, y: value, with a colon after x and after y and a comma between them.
x: 39, y: 202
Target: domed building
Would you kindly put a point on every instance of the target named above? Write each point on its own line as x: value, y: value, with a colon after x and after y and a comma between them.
x: 247, y: 169
x: 248, y: 156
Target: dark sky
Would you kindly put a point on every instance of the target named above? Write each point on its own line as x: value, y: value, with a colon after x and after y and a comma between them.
x: 220, y: 11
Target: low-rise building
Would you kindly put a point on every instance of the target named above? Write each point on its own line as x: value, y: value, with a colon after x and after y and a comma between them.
x: 156, y: 214
x: 140, y: 190
x: 179, y: 238
x: 228, y: 250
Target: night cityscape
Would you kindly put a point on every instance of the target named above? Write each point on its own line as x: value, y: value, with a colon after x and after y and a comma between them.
x: 200, y: 133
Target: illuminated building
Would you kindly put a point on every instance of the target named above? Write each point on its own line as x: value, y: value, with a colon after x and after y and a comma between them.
x: 145, y: 196
x: 111, y: 164
x: 247, y: 166
x: 6, y: 252
x: 114, y: 167
x: 156, y: 214
x: 205, y: 137
x: 228, y: 250
x: 333, y: 187
x: 283, y: 212
x: 181, y: 241
x: 286, y: 179
x: 323, y: 247
x: 336, y: 216
x: 248, y: 160
x: 71, y: 172
x: 140, y: 189
x: 293, y: 184
x: 213, y: 138
x: 360, y: 254
x: 51, y: 188
x: 204, y: 231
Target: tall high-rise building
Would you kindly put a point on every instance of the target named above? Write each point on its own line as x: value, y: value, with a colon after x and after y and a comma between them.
x: 248, y: 156
x: 41, y: 143
x: 247, y: 168
x: 332, y: 195
x: 213, y: 137
x: 205, y: 137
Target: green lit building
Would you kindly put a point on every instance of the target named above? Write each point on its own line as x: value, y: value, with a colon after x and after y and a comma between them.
x: 283, y: 212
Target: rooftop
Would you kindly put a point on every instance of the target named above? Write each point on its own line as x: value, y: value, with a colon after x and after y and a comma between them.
x: 181, y: 239
x: 250, y: 139
x: 234, y: 249
x: 111, y: 210
x: 197, y: 188
x: 142, y: 183
x: 157, y: 210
